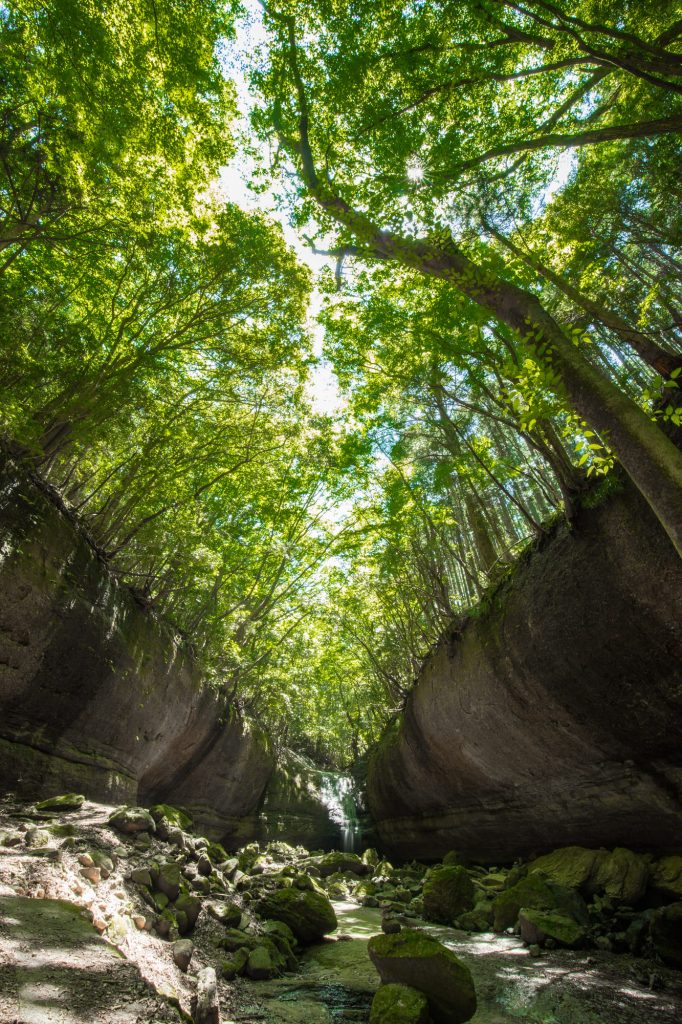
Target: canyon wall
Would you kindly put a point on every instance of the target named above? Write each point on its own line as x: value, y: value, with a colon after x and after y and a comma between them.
x: 553, y: 715
x: 97, y: 695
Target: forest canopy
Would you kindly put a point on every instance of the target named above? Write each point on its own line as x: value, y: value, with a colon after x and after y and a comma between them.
x: 495, y: 188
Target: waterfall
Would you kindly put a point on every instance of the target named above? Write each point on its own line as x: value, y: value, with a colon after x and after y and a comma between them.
x: 336, y: 793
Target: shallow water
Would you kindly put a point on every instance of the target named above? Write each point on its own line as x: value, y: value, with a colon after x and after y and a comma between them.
x: 337, y: 981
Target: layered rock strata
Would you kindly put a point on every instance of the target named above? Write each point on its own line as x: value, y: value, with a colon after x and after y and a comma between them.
x: 96, y: 694
x: 554, y: 714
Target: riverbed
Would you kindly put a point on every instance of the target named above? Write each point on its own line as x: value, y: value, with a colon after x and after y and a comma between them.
x: 336, y: 981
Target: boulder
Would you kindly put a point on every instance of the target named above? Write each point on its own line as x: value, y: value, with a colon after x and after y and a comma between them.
x: 229, y: 914
x: 131, y: 820
x: 666, y: 934
x: 448, y: 892
x: 338, y: 861
x: 141, y: 876
x: 453, y: 857
x: 236, y: 964
x: 536, y: 892
x: 182, y: 953
x: 190, y: 906
x: 166, y: 878
x: 666, y: 877
x: 398, y: 1004
x: 418, y: 961
x: 537, y: 926
x: 309, y: 915
x: 619, y: 874
x: 480, y: 919
x: 259, y: 966
x: 622, y: 876
x: 205, y: 1005
x: 173, y: 816
x: 65, y: 802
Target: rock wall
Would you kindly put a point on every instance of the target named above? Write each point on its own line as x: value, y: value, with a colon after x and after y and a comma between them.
x: 554, y: 715
x: 96, y: 695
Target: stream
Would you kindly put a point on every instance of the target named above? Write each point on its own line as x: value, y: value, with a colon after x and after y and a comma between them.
x: 337, y: 981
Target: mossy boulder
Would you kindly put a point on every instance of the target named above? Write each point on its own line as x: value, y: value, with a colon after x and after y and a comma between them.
x: 414, y: 959
x: 236, y: 964
x: 310, y: 915
x: 448, y: 892
x: 65, y: 802
x: 189, y: 905
x: 619, y: 874
x: 337, y: 861
x: 399, y: 1004
x: 453, y: 857
x: 259, y: 966
x: 171, y: 817
x: 166, y: 878
x: 131, y: 820
x: 229, y: 914
x: 537, y: 926
x: 536, y: 892
x: 666, y: 934
x: 480, y: 919
x: 666, y: 877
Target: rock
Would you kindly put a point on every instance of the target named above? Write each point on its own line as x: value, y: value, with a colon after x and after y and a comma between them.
x: 390, y: 925
x: 448, y: 892
x: 398, y: 1004
x: 228, y: 914
x: 666, y: 934
x: 666, y: 877
x: 141, y: 876
x: 536, y: 892
x: 85, y: 860
x: 65, y: 802
x: 453, y: 857
x: 182, y: 953
x: 534, y: 950
x: 140, y: 921
x: 173, y: 816
x: 418, y: 961
x: 310, y: 915
x: 92, y: 873
x: 166, y: 878
x: 259, y: 966
x: 537, y: 926
x: 36, y: 838
x: 205, y: 1005
x: 204, y: 866
x: 571, y: 866
x: 131, y: 820
x: 103, y: 861
x: 480, y: 919
x: 338, y: 861
x: 190, y: 906
x: 623, y: 876
x: 236, y: 964
x: 370, y: 857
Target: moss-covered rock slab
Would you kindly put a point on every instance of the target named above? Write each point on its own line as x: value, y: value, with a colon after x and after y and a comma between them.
x: 448, y: 892
x: 398, y: 1004
x: 418, y: 961
x: 536, y: 892
x: 309, y: 915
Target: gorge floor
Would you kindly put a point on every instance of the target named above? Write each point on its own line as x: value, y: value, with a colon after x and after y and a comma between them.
x: 57, y: 967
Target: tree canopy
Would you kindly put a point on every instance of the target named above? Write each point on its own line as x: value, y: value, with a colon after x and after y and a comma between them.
x: 497, y: 186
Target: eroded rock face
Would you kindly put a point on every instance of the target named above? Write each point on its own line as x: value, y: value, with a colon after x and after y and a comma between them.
x: 554, y: 716
x: 96, y: 696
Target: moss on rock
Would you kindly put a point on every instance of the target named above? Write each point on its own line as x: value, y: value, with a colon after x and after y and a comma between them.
x: 399, y: 1004
x: 310, y: 915
x: 448, y: 892
x: 414, y: 959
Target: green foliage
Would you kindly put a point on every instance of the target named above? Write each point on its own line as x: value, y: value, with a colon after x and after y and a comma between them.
x: 155, y: 358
